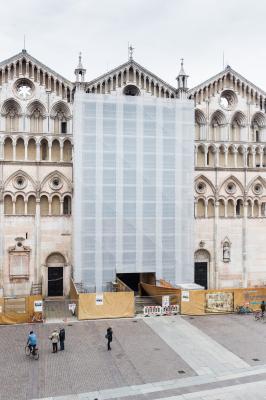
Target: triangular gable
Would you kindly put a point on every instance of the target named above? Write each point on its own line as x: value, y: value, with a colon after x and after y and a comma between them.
x: 25, y: 55
x: 137, y: 66
x: 221, y: 75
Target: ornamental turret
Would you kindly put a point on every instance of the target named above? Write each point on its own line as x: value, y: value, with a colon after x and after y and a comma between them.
x: 182, y: 78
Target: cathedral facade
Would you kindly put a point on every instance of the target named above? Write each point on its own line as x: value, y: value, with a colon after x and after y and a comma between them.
x: 36, y: 172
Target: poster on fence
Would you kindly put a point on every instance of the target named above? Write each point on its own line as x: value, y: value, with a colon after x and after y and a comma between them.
x: 165, y: 301
x: 38, y: 306
x: 219, y: 302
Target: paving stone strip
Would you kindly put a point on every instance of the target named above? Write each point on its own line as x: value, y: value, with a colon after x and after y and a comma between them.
x: 202, y: 353
x: 193, y: 385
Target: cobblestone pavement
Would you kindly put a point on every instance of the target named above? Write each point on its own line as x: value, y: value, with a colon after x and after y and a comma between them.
x: 146, y: 361
x: 138, y: 356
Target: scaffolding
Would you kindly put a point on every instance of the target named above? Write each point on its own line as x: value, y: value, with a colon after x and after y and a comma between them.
x: 133, y: 180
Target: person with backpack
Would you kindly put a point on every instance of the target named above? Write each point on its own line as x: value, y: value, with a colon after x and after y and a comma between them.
x: 109, y: 337
x: 55, y: 339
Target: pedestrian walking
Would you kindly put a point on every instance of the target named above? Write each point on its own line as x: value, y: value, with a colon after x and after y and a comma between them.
x: 62, y: 336
x: 55, y: 339
x: 109, y: 337
x: 262, y: 307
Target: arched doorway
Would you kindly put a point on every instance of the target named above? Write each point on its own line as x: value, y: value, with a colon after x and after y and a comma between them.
x: 201, y: 266
x: 55, y: 264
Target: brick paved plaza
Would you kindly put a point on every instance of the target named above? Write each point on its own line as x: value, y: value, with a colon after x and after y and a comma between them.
x: 154, y: 358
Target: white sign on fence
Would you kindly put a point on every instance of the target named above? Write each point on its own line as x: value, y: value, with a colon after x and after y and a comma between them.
x: 185, y: 295
x: 99, y: 299
x: 38, y: 306
x: 72, y: 308
x: 165, y: 301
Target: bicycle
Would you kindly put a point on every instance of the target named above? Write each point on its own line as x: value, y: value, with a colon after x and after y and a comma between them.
x: 37, y: 317
x: 32, y: 353
x: 243, y: 310
x: 258, y: 316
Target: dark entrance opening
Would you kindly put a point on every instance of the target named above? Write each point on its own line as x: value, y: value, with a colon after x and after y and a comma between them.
x: 201, y: 274
x: 132, y: 280
x: 55, y: 281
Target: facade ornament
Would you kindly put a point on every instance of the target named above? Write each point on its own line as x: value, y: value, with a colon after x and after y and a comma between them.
x: 226, y: 244
x: 201, y: 244
x: 130, y: 52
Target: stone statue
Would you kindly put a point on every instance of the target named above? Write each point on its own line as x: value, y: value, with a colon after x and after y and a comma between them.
x: 226, y: 252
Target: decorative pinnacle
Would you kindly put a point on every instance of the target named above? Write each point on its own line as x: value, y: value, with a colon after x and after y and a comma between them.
x: 80, y: 66
x: 130, y: 52
x: 182, y: 72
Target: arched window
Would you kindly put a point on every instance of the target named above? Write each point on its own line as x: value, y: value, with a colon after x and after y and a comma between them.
x: 258, y: 124
x: 230, y: 208
x: 239, y: 208
x: 60, y: 113
x: 44, y: 150
x: 218, y: 122
x: 238, y: 124
x: 210, y: 208
x: 55, y: 151
x: 20, y: 205
x: 67, y: 151
x: 8, y: 149
x: 31, y: 150
x: 200, y: 125
x: 20, y: 149
x: 31, y: 206
x: 201, y: 156
x: 221, y: 208
x: 12, y: 111
x: 36, y: 114
x: 256, y: 209
x: 249, y: 208
x: 67, y: 205
x: 44, y: 205
x: 55, y: 210
x: 8, y: 205
x: 201, y: 208
x: 131, y: 90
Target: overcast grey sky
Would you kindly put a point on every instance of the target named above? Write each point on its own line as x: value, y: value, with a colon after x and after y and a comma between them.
x: 162, y: 32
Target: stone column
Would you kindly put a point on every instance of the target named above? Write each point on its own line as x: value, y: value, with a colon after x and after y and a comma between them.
x: 26, y: 150
x: 244, y: 244
x: 235, y: 158
x: 38, y: 151
x: 217, y: 157
x: 61, y: 206
x: 14, y: 151
x: 61, y: 152
x: 37, y: 244
x: 205, y: 156
x: 215, y: 244
x: 206, y: 209
x: 1, y: 238
x: 50, y: 151
x: 50, y: 207
x: 20, y: 67
x: 261, y: 157
x: 245, y: 158
x: 253, y: 158
x: 1, y: 150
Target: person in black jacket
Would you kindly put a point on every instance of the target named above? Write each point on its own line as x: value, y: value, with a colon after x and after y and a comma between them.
x: 109, y: 337
x: 262, y: 307
x: 62, y: 336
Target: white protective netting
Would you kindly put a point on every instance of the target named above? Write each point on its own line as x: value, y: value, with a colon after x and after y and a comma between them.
x: 133, y: 188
